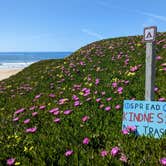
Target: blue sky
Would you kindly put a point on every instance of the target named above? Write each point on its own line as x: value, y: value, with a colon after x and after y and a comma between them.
x: 67, y: 25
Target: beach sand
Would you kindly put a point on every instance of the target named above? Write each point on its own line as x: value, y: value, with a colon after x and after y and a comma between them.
x: 6, y: 73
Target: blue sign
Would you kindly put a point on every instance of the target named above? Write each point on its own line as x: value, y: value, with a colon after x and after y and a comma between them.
x: 149, y: 117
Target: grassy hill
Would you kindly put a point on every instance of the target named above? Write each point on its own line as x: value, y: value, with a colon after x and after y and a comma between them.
x: 69, y: 111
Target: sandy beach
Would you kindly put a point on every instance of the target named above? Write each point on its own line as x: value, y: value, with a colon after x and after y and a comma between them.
x: 6, y: 73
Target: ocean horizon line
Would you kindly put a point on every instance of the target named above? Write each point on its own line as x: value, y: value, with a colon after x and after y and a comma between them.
x: 15, y: 60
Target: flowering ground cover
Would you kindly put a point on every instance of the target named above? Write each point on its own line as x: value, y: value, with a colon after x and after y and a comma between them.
x: 69, y: 111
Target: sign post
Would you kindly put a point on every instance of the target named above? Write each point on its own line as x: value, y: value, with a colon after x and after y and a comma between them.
x: 146, y: 117
x: 149, y: 38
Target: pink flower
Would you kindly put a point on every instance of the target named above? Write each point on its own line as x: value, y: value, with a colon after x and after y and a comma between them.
x: 108, y: 108
x: 125, y: 131
x: 158, y: 57
x: 32, y: 108
x: 101, y: 106
x: 95, y: 92
x: 109, y: 99
x: 120, y: 90
x: 52, y: 95
x: 97, y: 81
x: 163, y: 64
x: 56, y: 112
x: 117, y: 107
x: 37, y: 96
x: 34, y: 113
x: 31, y: 130
x: 86, y: 141
x: 126, y: 82
x: 156, y: 89
x: 63, y: 101
x: 84, y: 89
x: 10, y: 161
x: 77, y: 86
x: 15, y: 119
x: 115, y: 151
x: 123, y: 158
x: 114, y: 84
x: 103, y: 153
x: 57, y: 120
x: 86, y: 92
x: 81, y: 63
x: 98, y: 99
x: 163, y: 161
x: 67, y: 112
x: 133, y: 69
x: 88, y: 99
x: 103, y: 93
x: 132, y: 128
x: 85, y: 118
x: 162, y: 99
x: 126, y: 61
x: 42, y: 107
x: 76, y: 103
x: 68, y: 153
x: 20, y: 110
x: 75, y: 98
x: 26, y: 121
x: 89, y: 79
x: 113, y: 58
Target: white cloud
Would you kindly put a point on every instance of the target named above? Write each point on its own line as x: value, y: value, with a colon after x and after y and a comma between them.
x: 110, y: 4
x: 92, y: 33
x: 149, y: 22
x: 102, y: 3
x: 153, y: 15
x: 107, y: 4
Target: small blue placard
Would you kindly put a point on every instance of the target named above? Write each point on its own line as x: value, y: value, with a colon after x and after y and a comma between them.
x: 149, y: 117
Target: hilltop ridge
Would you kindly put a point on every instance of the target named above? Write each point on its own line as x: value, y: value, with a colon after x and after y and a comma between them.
x: 69, y: 111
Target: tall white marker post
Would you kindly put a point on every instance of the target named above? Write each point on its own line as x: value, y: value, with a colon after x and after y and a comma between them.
x: 149, y: 38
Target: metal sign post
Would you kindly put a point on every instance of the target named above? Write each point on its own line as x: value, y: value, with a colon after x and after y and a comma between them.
x: 149, y: 38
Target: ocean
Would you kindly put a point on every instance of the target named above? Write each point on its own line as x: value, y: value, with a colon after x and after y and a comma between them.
x: 17, y: 60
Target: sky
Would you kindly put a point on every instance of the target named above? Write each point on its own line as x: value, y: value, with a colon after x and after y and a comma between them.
x: 67, y: 25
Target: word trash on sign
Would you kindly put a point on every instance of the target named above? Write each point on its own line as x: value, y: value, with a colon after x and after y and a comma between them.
x: 150, y: 34
x: 149, y: 117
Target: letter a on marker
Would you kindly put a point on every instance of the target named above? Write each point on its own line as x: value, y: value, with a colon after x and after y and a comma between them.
x: 149, y: 35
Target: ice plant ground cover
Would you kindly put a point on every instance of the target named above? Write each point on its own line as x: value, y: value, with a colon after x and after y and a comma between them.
x: 69, y: 111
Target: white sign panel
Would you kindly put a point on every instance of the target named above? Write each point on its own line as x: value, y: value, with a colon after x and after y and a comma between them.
x: 150, y: 34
